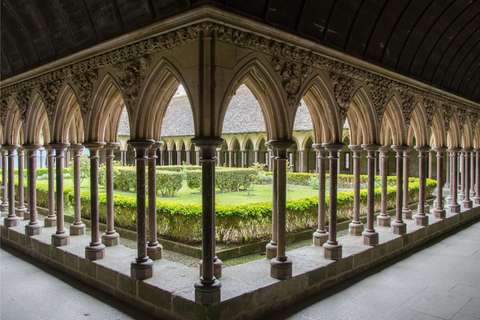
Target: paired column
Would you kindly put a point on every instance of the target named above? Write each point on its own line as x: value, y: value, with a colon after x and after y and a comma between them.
x: 4, y: 205
x: 383, y: 220
x: 51, y: 219
x: 398, y: 226
x: 407, y: 212
x: 454, y: 206
x: 77, y: 227
x: 370, y: 236
x: 95, y: 249
x: 207, y: 288
x: 421, y: 219
x: 60, y: 237
x: 356, y: 227
x: 33, y: 228
x: 281, y: 267
x: 472, y: 173
x: 110, y: 237
x: 154, y: 249
x: 332, y: 249
x: 476, y: 199
x: 439, y: 211
x: 21, y: 210
x: 461, y: 194
x: 467, y: 203
x: 321, y: 235
x: 11, y: 220
x: 271, y: 248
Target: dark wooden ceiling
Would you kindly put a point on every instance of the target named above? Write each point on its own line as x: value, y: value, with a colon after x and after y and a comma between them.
x: 437, y: 42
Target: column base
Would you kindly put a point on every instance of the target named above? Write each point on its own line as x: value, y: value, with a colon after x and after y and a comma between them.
x: 332, y: 251
x: 50, y: 222
x: 4, y: 207
x: 383, y: 220
x: 95, y: 252
x: 407, y: 213
x: 33, y: 229
x: 26, y: 215
x: 217, y: 268
x: 467, y: 204
x: 449, y: 199
x: 155, y: 252
x: 439, y: 213
x: 399, y: 228
x: 77, y: 229
x: 110, y: 239
x: 472, y: 194
x: 426, y: 208
x: 356, y: 228
x: 141, y: 270
x: 461, y: 196
x: 60, y: 239
x: 271, y: 250
x: 434, y: 203
x: 421, y: 220
x: 9, y: 222
x: 20, y: 212
x: 207, y: 294
x: 370, y: 238
x: 319, y: 238
x: 455, y: 208
x: 280, y: 270
x: 476, y: 200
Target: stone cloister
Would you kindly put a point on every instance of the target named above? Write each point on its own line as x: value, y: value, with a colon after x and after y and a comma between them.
x: 76, y: 102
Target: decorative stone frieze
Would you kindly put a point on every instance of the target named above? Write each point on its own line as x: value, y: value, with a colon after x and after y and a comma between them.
x: 343, y: 89
x: 447, y: 115
x: 50, y: 94
x: 292, y: 76
x: 430, y: 108
x: 408, y: 105
x: 132, y: 74
x: 22, y: 99
x: 85, y: 82
x: 462, y: 118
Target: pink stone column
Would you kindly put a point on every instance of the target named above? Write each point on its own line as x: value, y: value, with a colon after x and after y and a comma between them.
x: 467, y: 203
x: 33, y: 228
x: 142, y: 267
x: 77, y: 227
x: 398, y: 226
x: 454, y: 206
x: 439, y: 211
x: 4, y: 205
x: 207, y: 288
x: 170, y: 158
x: 179, y: 157
x: 154, y: 249
x: 41, y: 158
x: 370, y: 236
x: 476, y: 199
x: 356, y: 227
x: 407, y: 212
x: 321, y: 235
x: 51, y: 219
x: 20, y: 210
x: 461, y: 194
x: 332, y: 249
x: 383, y: 219
x: 271, y: 248
x: 60, y: 237
x: 421, y: 219
x: 124, y: 159
x: 447, y: 176
x: 95, y: 250
x: 110, y: 237
x: 280, y: 266
x: 11, y: 220
x: 430, y: 164
x: 472, y: 173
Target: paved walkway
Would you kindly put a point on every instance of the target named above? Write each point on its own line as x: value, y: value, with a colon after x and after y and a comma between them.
x: 437, y: 281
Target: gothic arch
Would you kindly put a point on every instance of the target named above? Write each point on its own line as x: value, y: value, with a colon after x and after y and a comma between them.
x: 467, y: 134
x: 365, y: 113
x: 67, y: 109
x: 37, y: 121
x: 439, y: 132
x: 454, y: 136
x: 13, y: 125
x: 419, y: 126
x: 393, y: 118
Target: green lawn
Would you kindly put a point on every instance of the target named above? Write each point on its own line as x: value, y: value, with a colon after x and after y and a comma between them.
x: 260, y: 193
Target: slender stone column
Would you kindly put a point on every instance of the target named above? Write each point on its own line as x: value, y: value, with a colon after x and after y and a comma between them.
x: 154, y: 249
x: 4, y: 204
x: 77, y: 227
x: 280, y: 266
x: 431, y: 154
x: 124, y: 157
x: 476, y: 199
x: 467, y: 203
x: 230, y: 158
x: 170, y: 158
x: 383, y: 220
x: 271, y: 248
x: 332, y: 249
x: 370, y: 236
x: 219, y: 157
x: 454, y: 206
x: 20, y: 210
x: 398, y: 226
x: 270, y: 159
x: 207, y: 288
x: 51, y: 219
x: 301, y: 160
x: 421, y: 219
x: 11, y: 220
x: 179, y: 157
x: 375, y: 164
x: 197, y: 157
x: 41, y: 158
x: 33, y: 228
x: 447, y: 176
x: 472, y: 173
x: 461, y: 194
x: 321, y: 235
x: 244, y: 164
x: 95, y: 249
x: 60, y: 237
x: 407, y: 212
x: 187, y: 157
x: 255, y: 154
x: 439, y: 211
x: 110, y: 237
x: 356, y: 227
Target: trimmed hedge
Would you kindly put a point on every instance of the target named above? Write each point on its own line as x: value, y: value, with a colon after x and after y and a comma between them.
x: 226, y: 179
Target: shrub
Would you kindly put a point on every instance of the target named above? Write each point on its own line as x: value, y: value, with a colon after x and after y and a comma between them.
x: 226, y: 179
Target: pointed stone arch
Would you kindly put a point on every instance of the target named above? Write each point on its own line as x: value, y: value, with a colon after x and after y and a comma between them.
x: 439, y: 132
x: 364, y: 111
x: 454, y: 135
x: 13, y: 131
x: 38, y: 123
x: 394, y: 119
x: 419, y: 126
x: 67, y: 110
x: 467, y: 134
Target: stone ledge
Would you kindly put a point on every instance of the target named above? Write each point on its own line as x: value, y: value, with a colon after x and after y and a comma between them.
x: 247, y: 290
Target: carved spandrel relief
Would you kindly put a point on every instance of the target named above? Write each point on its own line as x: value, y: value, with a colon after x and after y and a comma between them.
x: 462, y: 117
x: 474, y: 119
x: 430, y: 108
x: 380, y: 90
x: 408, y: 105
x: 343, y: 90
x: 447, y: 116
x: 292, y: 76
x: 85, y: 83
x: 50, y: 94
x: 23, y: 98
x: 4, y: 108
